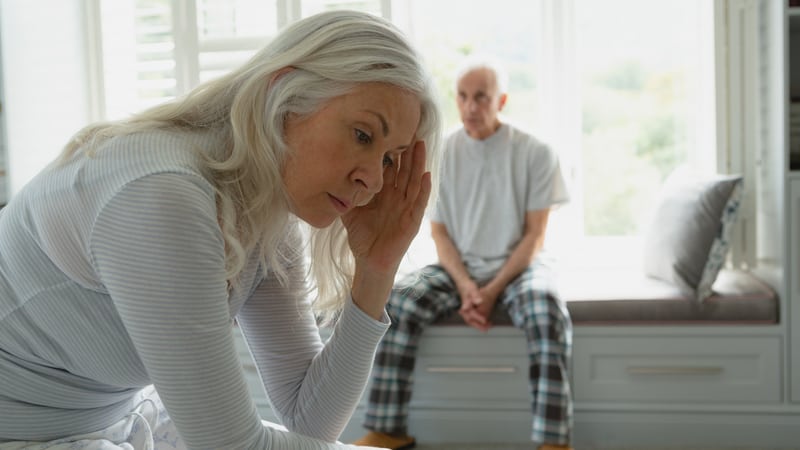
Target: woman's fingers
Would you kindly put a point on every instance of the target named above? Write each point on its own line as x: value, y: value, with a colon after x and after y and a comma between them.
x: 389, y: 179
x: 404, y: 173
x: 418, y: 182
x: 416, y: 168
x: 405, y: 184
x: 422, y: 197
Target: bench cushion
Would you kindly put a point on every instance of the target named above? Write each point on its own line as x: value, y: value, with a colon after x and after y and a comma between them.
x: 621, y: 296
x: 625, y: 296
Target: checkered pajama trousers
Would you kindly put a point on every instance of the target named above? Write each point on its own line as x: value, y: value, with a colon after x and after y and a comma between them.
x: 430, y: 294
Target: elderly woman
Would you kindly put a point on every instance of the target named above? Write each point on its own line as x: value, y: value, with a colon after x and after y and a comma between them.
x: 124, y: 263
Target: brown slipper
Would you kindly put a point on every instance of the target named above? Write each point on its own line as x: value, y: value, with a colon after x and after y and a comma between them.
x: 390, y: 441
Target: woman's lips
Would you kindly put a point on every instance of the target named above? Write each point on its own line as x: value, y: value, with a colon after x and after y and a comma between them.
x: 340, y: 205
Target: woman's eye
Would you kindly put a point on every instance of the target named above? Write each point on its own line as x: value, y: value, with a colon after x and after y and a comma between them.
x: 362, y: 137
x: 388, y: 161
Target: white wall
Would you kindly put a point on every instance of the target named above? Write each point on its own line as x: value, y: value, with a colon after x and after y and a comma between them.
x: 3, y: 178
x: 45, y: 81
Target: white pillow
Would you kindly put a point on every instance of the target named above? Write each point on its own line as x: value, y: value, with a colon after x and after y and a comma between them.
x: 689, y: 236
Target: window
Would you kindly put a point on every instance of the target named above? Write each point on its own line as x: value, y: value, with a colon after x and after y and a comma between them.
x: 640, y: 98
x: 640, y: 75
x: 616, y: 87
x: 620, y: 88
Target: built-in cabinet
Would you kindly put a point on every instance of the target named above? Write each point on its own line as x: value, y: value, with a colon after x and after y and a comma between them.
x: 793, y: 67
x: 793, y: 282
x: 792, y: 256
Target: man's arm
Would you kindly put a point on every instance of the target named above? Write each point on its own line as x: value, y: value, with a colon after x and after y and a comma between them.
x: 523, y: 254
x: 450, y: 258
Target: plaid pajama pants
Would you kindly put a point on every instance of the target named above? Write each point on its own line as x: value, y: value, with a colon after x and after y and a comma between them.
x: 428, y: 295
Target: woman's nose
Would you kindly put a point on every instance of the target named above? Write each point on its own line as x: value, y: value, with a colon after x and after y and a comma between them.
x: 369, y: 176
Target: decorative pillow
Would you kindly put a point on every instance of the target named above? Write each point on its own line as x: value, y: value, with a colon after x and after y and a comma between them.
x: 689, y: 236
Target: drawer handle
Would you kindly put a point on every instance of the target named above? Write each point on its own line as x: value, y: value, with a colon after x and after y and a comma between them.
x: 437, y: 369
x: 688, y: 370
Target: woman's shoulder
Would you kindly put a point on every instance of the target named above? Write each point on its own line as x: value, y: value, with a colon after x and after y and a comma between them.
x: 124, y: 159
x: 155, y: 150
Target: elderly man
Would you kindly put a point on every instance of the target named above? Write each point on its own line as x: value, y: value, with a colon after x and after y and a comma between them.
x: 497, y: 188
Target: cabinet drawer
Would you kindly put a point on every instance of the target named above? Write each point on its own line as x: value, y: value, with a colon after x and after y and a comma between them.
x: 498, y: 380
x: 677, y: 369
x: 459, y: 367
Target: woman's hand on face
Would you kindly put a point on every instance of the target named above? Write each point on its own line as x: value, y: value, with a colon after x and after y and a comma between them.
x: 380, y: 232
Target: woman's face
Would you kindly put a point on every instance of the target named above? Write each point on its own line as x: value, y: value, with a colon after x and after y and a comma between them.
x: 338, y: 154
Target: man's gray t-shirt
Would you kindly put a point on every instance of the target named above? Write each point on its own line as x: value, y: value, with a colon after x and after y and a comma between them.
x: 487, y: 187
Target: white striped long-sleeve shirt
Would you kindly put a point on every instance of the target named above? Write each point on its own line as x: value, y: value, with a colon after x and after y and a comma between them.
x: 112, y: 278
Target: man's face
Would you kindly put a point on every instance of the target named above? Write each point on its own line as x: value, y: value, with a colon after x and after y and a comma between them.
x: 479, y: 102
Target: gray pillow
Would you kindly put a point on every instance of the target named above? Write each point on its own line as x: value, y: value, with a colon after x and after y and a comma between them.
x: 689, y: 236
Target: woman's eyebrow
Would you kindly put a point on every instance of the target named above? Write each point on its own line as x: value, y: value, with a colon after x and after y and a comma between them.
x: 385, y: 127
x: 384, y: 124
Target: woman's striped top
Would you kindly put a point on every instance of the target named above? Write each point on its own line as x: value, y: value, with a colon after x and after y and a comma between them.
x: 112, y: 278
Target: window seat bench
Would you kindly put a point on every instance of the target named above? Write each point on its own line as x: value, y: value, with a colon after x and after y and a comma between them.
x: 649, y: 369
x: 625, y: 296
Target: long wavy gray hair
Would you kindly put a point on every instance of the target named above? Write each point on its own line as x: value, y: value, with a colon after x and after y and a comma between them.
x: 330, y: 53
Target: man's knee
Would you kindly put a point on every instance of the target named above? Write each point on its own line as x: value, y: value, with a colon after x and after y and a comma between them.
x: 421, y: 297
x: 539, y: 308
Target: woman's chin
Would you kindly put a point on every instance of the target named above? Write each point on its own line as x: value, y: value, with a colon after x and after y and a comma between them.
x: 318, y: 221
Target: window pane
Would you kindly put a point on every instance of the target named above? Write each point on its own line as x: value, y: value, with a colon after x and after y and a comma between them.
x: 138, y: 54
x: 236, y: 18
x: 231, y: 31
x: 639, y: 73
x: 155, y: 50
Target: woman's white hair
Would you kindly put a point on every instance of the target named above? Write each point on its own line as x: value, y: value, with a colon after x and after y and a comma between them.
x: 311, y: 62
